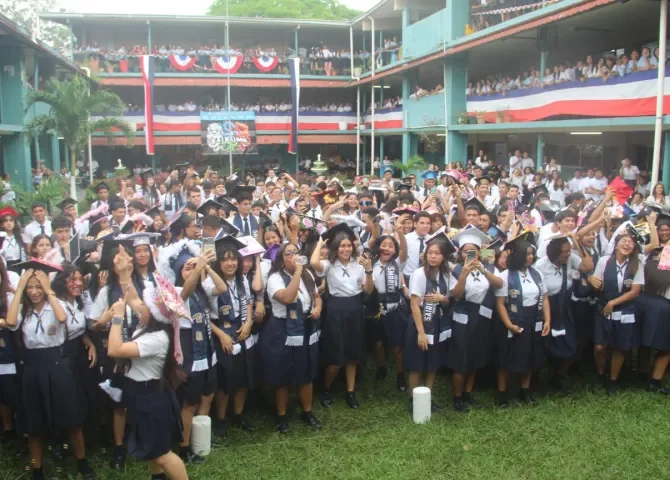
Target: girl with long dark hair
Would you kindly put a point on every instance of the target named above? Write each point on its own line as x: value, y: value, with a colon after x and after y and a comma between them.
x: 472, y: 329
x: 13, y: 250
x: 619, y: 278
x: 48, y: 390
x: 425, y: 340
x: 343, y: 329
x: 41, y: 245
x: 8, y: 360
x: 523, y: 307
x: 289, y: 342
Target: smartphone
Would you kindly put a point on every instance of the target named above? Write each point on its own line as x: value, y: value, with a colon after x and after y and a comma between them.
x: 208, y: 245
x: 433, y: 190
x: 471, y: 255
x: 487, y: 255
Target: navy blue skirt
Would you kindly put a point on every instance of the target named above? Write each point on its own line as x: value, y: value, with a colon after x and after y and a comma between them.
x: 522, y: 353
x: 50, y: 400
x: 621, y: 334
x: 415, y: 359
x: 395, y: 326
x: 9, y: 386
x: 154, y: 419
x: 562, y: 340
x: 284, y: 365
x: 470, y: 344
x: 343, y: 331
x: 76, y: 355
x: 583, y: 315
x: 653, y: 314
x: 236, y: 371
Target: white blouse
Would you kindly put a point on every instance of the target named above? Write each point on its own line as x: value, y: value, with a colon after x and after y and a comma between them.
x: 343, y: 281
x: 476, y: 285
x: 41, y: 330
x: 276, y: 283
x: 531, y: 294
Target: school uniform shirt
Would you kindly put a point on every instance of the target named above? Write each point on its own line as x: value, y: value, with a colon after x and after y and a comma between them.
x: 100, y: 305
x: 414, y: 249
x: 573, y: 185
x: 417, y: 284
x: 276, y: 283
x: 537, y: 218
x: 41, y: 330
x: 379, y: 278
x: 235, y: 295
x: 343, y: 281
x: 11, y: 250
x: 97, y: 204
x: 171, y: 204
x: 630, y: 173
x: 34, y: 229
x: 476, y: 285
x: 638, y: 278
x: 153, y: 348
x: 553, y: 275
x: 76, y: 319
x: 315, y: 212
x: 531, y: 294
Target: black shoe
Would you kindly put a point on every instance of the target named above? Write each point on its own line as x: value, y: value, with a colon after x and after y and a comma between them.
x: 215, y: 443
x: 221, y: 429
x: 282, y: 424
x: 57, y: 453
x: 190, y: 457
x: 352, y: 401
x: 381, y: 374
x: 241, y: 422
x: 501, y: 400
x: 118, y: 458
x: 400, y: 384
x: 470, y: 400
x: 611, y: 388
x: 655, y: 387
x: 311, y: 420
x: 326, y: 399
x: 527, y: 397
x: 643, y: 377
x: 460, y: 405
x: 561, y: 383
x: 435, y: 408
x: 85, y: 470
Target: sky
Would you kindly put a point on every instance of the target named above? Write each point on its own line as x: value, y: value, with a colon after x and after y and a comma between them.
x: 161, y: 7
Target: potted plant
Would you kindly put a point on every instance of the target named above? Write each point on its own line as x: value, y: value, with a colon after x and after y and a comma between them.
x: 481, y: 116
x: 502, y: 114
x: 414, y: 164
x: 109, y: 67
x: 463, y: 118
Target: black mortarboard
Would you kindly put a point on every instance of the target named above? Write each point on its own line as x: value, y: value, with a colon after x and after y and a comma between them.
x: 329, y: 234
x: 36, y: 264
x: 403, y: 186
x: 147, y: 170
x: 637, y: 236
x: 264, y: 220
x: 115, y: 203
x: 441, y: 237
x: 526, y: 235
x: 109, y: 251
x: 202, y: 209
x: 242, y: 189
x: 227, y: 241
x: 181, y: 165
x: 74, y: 249
x: 152, y: 212
x: 475, y: 202
x: 228, y: 206
x: 127, y: 227
x: 405, y: 210
x: 497, y: 232
x: 228, y: 228
x: 101, y: 186
x: 66, y: 203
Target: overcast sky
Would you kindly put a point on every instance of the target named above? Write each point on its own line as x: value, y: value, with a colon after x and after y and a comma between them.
x: 161, y: 7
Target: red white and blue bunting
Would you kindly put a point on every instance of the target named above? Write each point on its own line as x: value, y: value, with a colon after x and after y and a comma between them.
x: 265, y: 63
x: 228, y: 64
x: 182, y: 62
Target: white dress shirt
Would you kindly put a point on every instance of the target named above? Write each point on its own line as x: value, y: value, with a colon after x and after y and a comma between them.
x: 343, y: 281
x: 413, y: 252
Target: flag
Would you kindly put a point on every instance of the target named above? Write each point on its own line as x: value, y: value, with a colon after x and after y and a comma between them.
x: 147, y: 65
x: 622, y: 191
x: 294, y: 68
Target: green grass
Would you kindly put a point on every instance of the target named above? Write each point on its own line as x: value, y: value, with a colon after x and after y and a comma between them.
x: 587, y: 435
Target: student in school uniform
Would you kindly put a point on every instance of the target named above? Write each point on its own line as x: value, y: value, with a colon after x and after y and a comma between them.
x: 48, y: 391
x: 429, y: 330
x: 12, y: 249
x: 473, y: 285
x: 235, y: 347
x: 389, y: 253
x: 39, y: 226
x: 619, y: 278
x: 289, y: 344
x: 149, y: 367
x: 8, y: 361
x: 416, y: 243
x: 102, y: 191
x: 561, y: 265
x: 524, y: 309
x: 188, y: 265
x: 348, y: 277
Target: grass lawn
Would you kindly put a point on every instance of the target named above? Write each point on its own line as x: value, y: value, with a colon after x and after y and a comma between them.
x: 586, y: 435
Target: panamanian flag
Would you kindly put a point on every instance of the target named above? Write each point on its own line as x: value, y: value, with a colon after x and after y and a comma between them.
x: 147, y: 65
x: 294, y: 70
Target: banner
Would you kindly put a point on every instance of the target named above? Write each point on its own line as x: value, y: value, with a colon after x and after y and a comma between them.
x: 222, y: 132
x: 633, y: 95
x: 266, y: 64
x: 147, y: 66
x: 182, y: 62
x: 228, y: 64
x: 385, y: 118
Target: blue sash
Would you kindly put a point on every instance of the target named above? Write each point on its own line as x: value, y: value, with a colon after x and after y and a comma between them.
x: 515, y: 295
x: 434, y: 322
x: 610, y: 289
x: 225, y: 305
x: 201, y: 332
x: 7, y: 353
x: 298, y: 325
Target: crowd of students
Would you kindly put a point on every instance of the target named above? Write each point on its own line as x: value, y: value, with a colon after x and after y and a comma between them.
x: 183, y: 294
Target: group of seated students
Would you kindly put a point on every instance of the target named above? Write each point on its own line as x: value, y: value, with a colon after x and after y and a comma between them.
x: 487, y: 13
x: 606, y: 67
x: 182, y: 295
x: 215, y: 106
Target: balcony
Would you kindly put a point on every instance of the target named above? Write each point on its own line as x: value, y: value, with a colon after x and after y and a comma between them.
x: 425, y: 112
x: 425, y: 35
x: 36, y: 109
x: 488, y: 13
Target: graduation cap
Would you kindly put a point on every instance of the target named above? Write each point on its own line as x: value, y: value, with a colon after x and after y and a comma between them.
x: 470, y: 235
x: 36, y: 264
x: 548, y: 207
x: 9, y: 211
x: 228, y: 241
x: 127, y: 227
x: 497, y: 232
x: 242, y: 189
x: 307, y: 222
x: 101, y: 186
x: 68, y: 202
x: 209, y: 204
x: 229, y: 229
x: 140, y: 238
x: 228, y: 206
x: 115, y: 203
x: 474, y: 202
x: 75, y: 251
x: 441, y: 237
x: 405, y: 211
x: 379, y: 193
x: 526, y: 235
x: 263, y: 220
x: 330, y: 234
x: 147, y: 170
x: 182, y: 165
x: 430, y: 175
x: 109, y: 250
x: 152, y: 212
x: 636, y: 234
x: 252, y: 247
x: 403, y: 186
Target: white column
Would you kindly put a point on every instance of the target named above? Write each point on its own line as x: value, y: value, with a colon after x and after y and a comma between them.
x: 658, y: 129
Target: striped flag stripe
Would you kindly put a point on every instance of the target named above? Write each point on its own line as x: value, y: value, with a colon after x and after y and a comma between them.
x: 147, y: 66
x: 294, y: 69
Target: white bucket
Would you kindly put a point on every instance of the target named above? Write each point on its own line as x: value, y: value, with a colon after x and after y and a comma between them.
x: 201, y: 435
x: 421, y: 400
x: 342, y: 125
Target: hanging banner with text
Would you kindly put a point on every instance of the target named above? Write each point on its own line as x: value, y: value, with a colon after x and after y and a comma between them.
x: 222, y: 133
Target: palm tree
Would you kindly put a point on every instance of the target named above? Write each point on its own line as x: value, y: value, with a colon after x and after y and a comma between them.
x: 73, y: 103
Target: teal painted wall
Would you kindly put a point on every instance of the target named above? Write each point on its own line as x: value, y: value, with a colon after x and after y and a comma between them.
x: 456, y: 74
x: 425, y: 111
x: 425, y: 35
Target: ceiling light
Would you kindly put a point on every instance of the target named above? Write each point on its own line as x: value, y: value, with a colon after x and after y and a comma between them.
x: 586, y: 133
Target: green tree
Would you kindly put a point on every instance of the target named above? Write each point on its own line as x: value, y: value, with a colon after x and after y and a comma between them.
x: 307, y: 9
x: 73, y: 103
x: 24, y: 12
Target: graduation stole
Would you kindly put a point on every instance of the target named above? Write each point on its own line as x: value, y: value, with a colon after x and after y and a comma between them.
x: 201, y: 331
x: 296, y: 318
x: 582, y: 289
x: 392, y: 280
x: 430, y: 310
x: 225, y: 302
x: 610, y: 289
x: 515, y: 294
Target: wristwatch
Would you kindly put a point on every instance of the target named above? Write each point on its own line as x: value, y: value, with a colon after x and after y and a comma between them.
x: 117, y: 320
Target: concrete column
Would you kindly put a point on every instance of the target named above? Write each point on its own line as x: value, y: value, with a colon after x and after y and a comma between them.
x: 456, y: 80
x: 540, y: 151
x: 405, y: 96
x: 666, y: 160
x: 55, y: 152
x: 458, y: 16
x: 149, y: 39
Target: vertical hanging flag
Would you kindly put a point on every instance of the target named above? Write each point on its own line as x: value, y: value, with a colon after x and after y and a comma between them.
x: 294, y: 69
x: 147, y: 66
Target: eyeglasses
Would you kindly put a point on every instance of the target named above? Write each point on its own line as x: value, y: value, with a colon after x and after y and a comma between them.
x: 290, y: 253
x: 366, y: 203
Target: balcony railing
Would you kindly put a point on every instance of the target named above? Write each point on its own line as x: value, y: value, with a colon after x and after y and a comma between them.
x: 487, y: 13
